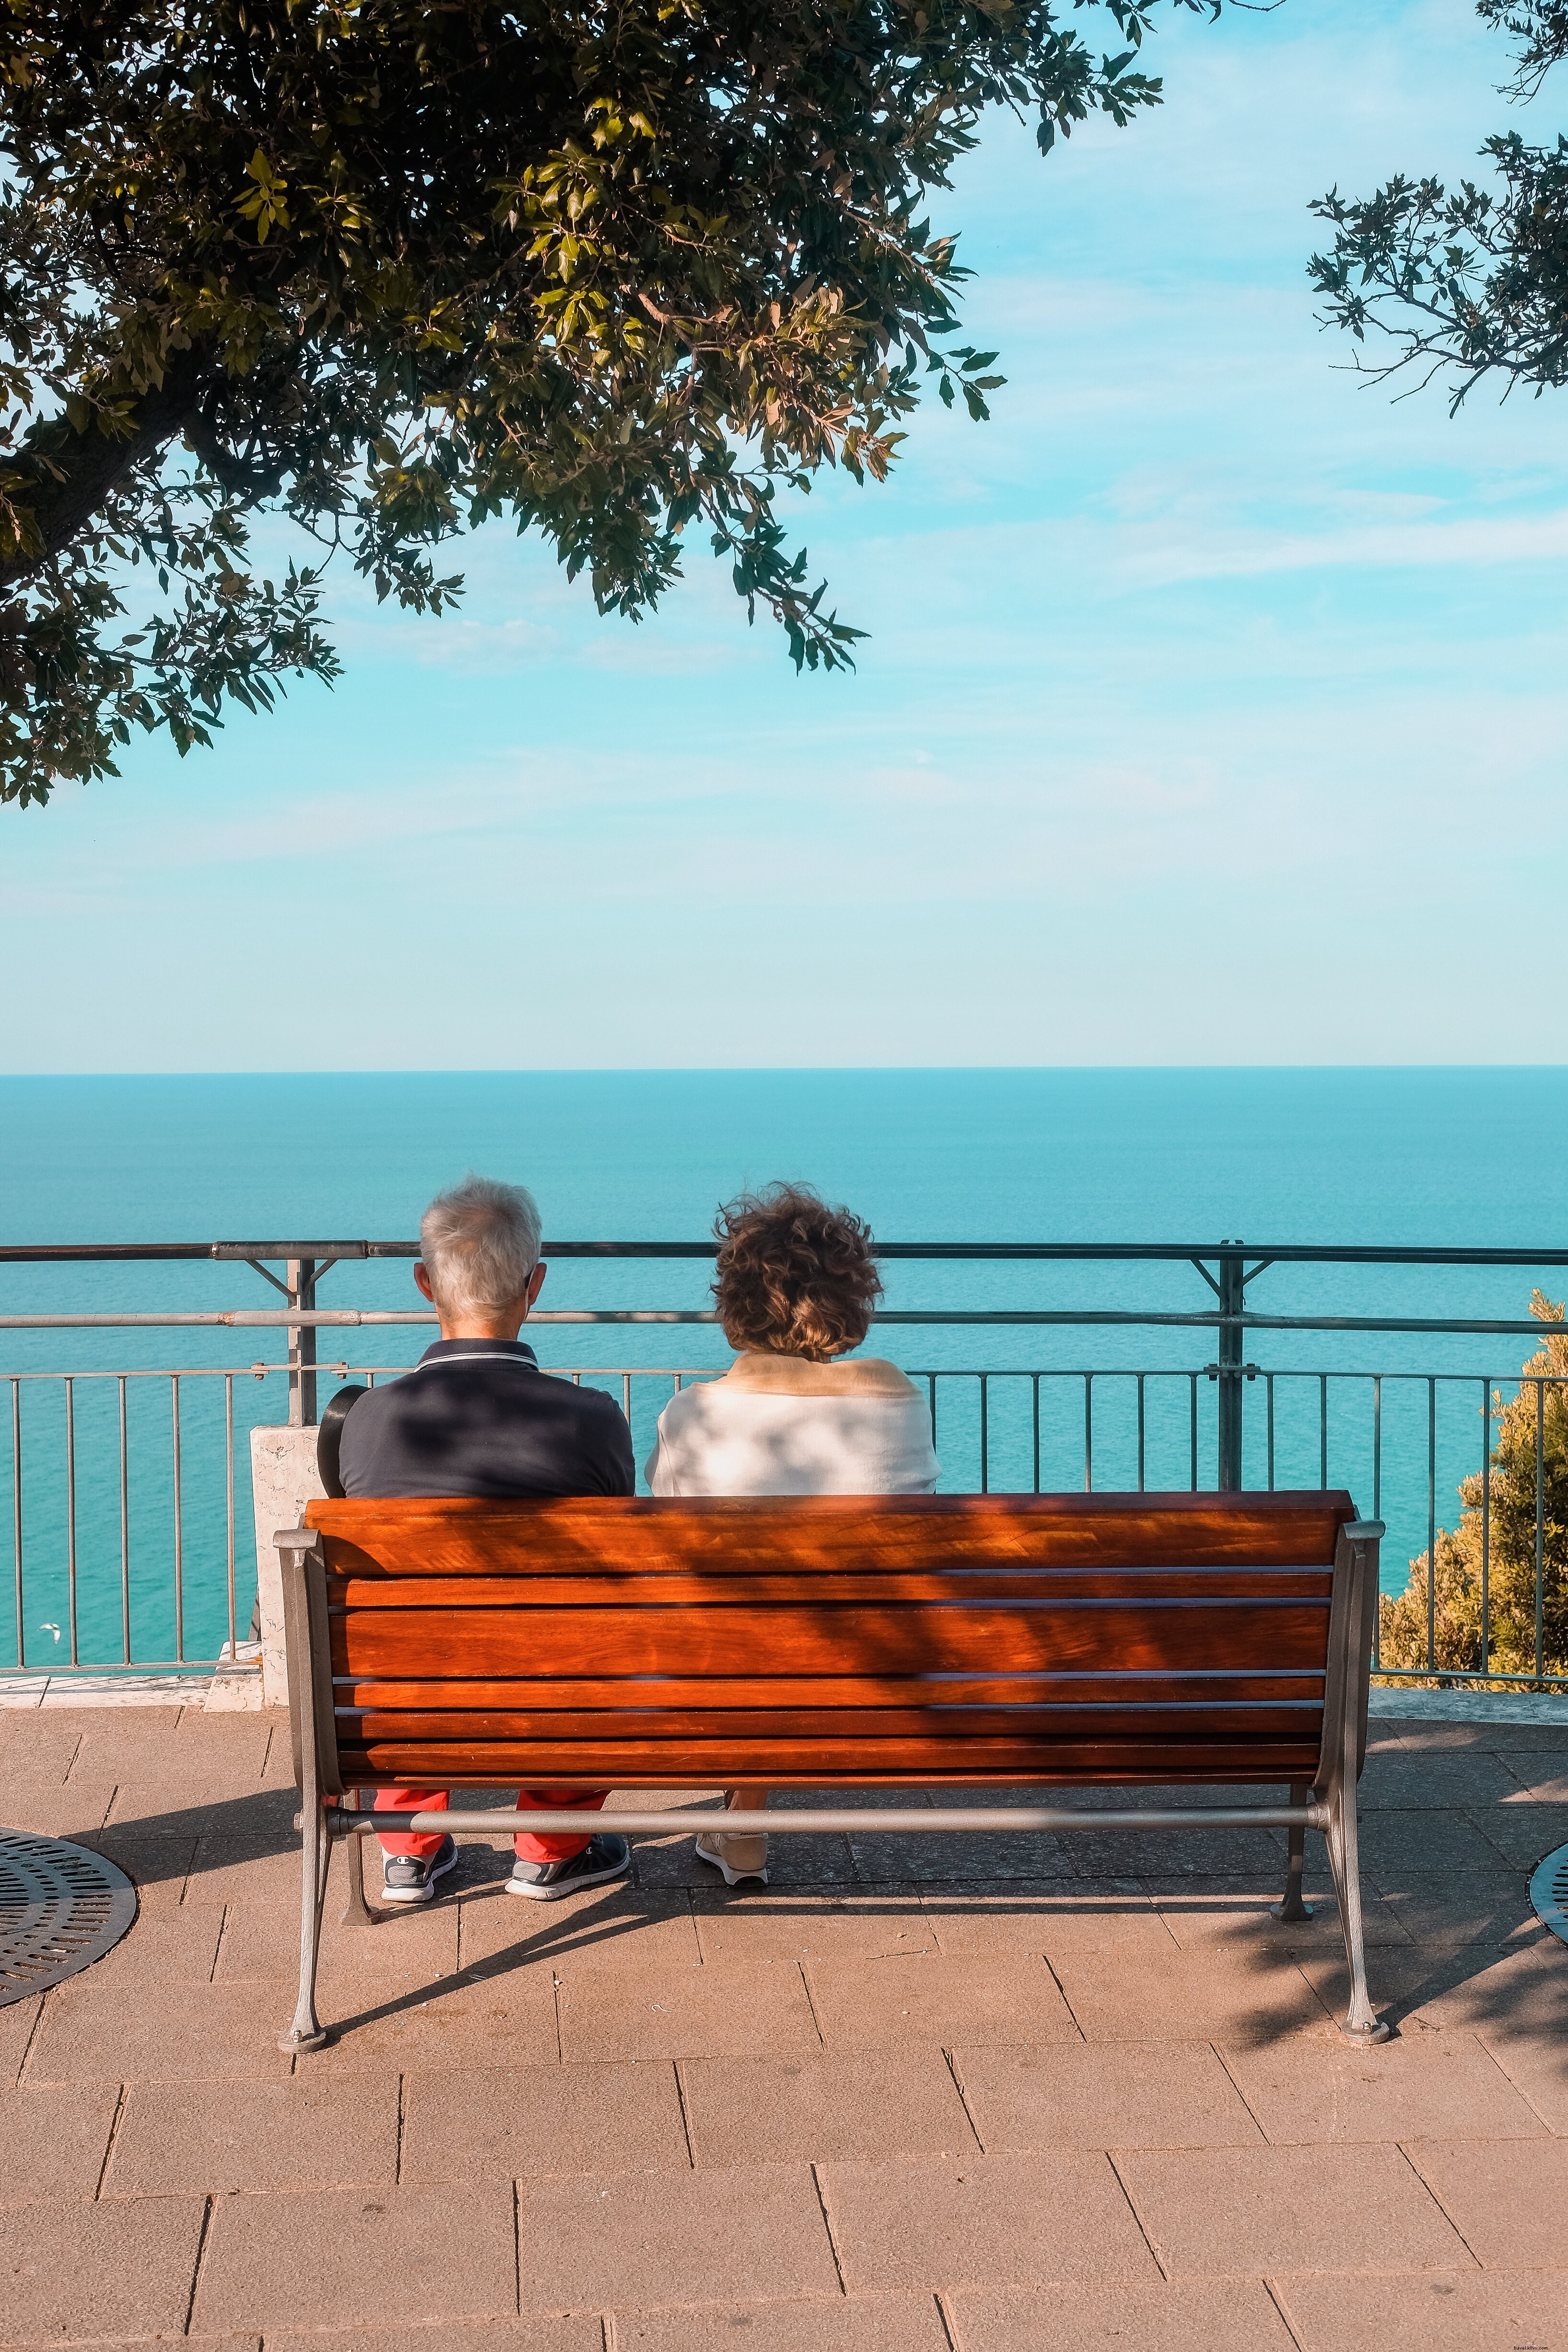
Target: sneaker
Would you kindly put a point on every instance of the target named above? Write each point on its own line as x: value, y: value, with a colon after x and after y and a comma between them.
x: 737, y: 1857
x: 405, y: 1878
x: 602, y: 1858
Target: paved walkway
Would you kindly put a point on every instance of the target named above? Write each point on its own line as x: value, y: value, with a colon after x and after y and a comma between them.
x: 1007, y: 2094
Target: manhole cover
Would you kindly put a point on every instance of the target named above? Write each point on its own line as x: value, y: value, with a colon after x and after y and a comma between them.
x: 61, y: 1907
x: 1549, y: 1892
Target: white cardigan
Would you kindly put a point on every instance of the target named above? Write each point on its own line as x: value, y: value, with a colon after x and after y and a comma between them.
x: 780, y: 1425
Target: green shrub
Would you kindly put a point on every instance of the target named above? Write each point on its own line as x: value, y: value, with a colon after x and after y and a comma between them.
x: 1456, y: 1645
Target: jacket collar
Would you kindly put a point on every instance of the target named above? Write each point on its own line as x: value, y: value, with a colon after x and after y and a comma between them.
x: 446, y: 1352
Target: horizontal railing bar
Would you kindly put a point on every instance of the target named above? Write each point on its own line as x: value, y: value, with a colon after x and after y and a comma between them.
x: 259, y: 1370
x: 1315, y: 1253
x: 355, y: 1318
x: 817, y: 1821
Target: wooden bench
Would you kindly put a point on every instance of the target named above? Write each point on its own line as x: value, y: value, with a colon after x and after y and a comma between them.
x: 1072, y: 1641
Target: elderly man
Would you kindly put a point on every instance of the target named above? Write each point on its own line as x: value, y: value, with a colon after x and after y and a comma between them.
x: 477, y: 1416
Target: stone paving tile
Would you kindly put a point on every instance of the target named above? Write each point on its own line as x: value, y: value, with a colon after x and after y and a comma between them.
x: 1403, y: 1845
x: 646, y: 2239
x: 937, y: 1997
x: 157, y: 1867
x: 1468, y: 2311
x: 76, y: 2271
x: 1537, y: 2065
x: 1186, y: 1996
x: 66, y: 1809
x: 861, y: 2324
x: 109, y: 1742
x: 1412, y: 1782
x: 159, y: 1809
x: 1475, y: 1988
x: 754, y: 1925
x: 414, y: 1952
x: 1054, y: 1915
x: 851, y: 2104
x: 349, y: 2254
x: 1310, y: 2090
x: 1174, y: 1854
x: 507, y: 2021
x: 18, y: 2021
x: 1542, y: 1780
x: 501, y: 2124
x: 944, y: 1856
x: 621, y: 1928
x: 1506, y: 2197
x: 1504, y: 1738
x: 982, y: 2220
x: 1239, y: 1914
x: 53, y: 2141
x: 173, y: 1944
x: 569, y: 2332
x: 114, y: 2035
x: 1104, y: 2096
x: 37, y: 1746
x: 1494, y: 1908
x: 1524, y: 1832
x: 1256, y: 2211
x: 189, y: 2137
x: 728, y: 2010
x: 1190, y: 2316
x: 255, y: 1870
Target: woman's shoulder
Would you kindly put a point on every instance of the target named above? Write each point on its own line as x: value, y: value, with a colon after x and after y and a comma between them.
x: 759, y: 1374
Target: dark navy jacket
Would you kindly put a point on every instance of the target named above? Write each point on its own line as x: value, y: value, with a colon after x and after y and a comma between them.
x: 479, y: 1417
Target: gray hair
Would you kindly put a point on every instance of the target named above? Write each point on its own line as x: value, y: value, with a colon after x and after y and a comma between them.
x: 480, y: 1244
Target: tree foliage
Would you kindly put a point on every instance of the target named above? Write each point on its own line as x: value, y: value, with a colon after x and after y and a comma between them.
x: 395, y: 267
x: 1487, y: 1588
x: 1465, y: 282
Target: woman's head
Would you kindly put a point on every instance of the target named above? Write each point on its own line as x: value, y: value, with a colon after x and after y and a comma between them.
x: 793, y: 1276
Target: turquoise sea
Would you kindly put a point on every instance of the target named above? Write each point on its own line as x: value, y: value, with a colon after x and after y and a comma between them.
x: 1462, y: 1157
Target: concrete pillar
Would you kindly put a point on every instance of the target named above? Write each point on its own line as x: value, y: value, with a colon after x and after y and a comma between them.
x: 283, y: 1478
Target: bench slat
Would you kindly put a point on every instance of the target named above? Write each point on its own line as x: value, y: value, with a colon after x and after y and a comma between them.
x: 573, y: 1691
x: 598, y: 1588
x: 744, y: 1533
x: 769, y: 1721
x: 1100, y: 1635
x: 815, y: 1764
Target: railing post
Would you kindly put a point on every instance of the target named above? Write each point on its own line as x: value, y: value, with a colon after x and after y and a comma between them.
x: 1232, y: 1299
x: 301, y: 1345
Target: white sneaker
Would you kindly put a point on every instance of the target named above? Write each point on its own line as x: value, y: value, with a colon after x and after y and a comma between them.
x: 737, y: 1857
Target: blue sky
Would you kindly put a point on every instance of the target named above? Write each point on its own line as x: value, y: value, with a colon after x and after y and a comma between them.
x: 1213, y: 712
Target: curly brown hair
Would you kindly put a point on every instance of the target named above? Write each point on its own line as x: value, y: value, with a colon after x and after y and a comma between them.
x: 793, y: 1276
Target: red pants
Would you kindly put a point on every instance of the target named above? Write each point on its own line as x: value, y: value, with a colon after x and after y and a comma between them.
x: 421, y: 1843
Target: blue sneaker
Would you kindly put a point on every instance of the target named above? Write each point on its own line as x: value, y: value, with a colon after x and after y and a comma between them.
x: 602, y: 1859
x: 405, y: 1878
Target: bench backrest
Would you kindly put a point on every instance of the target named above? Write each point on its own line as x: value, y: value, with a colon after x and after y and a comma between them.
x: 831, y: 1642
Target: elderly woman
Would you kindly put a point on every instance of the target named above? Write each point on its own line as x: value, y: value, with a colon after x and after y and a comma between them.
x: 795, y: 1287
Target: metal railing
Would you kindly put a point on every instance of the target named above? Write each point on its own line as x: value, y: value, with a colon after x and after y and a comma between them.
x: 130, y: 1487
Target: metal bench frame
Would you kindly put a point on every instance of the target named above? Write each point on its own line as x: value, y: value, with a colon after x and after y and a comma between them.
x: 1328, y: 1805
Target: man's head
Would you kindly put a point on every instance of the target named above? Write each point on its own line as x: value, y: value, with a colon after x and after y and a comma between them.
x: 481, y: 1267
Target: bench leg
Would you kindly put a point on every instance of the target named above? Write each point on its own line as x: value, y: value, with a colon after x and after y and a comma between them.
x: 1293, y: 1906
x: 356, y: 1911
x: 307, y: 2031
x: 1362, y: 2022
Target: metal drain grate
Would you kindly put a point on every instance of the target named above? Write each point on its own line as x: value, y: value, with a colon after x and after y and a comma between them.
x: 61, y: 1907
x: 1549, y: 1892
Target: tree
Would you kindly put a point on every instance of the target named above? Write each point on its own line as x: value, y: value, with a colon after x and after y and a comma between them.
x: 395, y: 267
x: 1488, y: 1586
x: 1467, y: 282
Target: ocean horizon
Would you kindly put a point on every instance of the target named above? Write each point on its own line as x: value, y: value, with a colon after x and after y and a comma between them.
x: 1359, y: 1155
